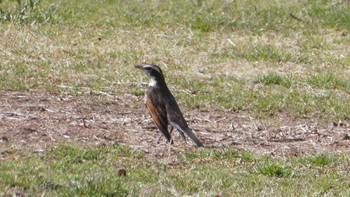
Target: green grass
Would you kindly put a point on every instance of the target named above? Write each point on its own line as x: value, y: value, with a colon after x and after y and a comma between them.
x: 68, y: 47
x: 329, y: 81
x: 274, y: 170
x: 69, y: 170
x: 250, y: 57
x: 275, y: 79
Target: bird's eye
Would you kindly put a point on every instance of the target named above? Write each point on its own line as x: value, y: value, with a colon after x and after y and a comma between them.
x: 149, y: 68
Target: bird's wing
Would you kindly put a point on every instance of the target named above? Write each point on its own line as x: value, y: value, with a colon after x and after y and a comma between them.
x: 158, y: 113
x: 177, y: 120
x: 175, y: 114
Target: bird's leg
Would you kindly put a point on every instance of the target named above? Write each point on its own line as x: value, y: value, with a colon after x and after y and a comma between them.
x: 181, y: 133
x: 169, y: 146
x: 171, y: 141
x: 171, y: 129
x: 160, y: 136
x: 183, y: 137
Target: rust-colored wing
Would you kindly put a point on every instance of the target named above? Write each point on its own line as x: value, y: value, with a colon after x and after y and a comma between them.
x: 158, y: 113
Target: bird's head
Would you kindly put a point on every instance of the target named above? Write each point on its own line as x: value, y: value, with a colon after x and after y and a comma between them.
x: 154, y: 72
x: 151, y: 70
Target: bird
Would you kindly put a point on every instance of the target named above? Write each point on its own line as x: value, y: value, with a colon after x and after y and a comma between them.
x: 163, y: 107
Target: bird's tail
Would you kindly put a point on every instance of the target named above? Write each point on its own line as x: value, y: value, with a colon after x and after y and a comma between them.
x: 193, y: 137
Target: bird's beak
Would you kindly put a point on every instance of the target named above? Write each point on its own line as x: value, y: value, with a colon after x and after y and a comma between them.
x: 138, y: 66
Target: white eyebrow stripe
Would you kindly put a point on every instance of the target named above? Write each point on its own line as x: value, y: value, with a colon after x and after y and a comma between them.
x: 153, y: 67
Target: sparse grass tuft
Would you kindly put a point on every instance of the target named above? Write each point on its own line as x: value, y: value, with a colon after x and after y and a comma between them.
x: 329, y: 81
x: 28, y: 11
x: 275, y: 170
x: 323, y: 160
x: 266, y: 53
x: 274, y: 79
x: 219, y: 155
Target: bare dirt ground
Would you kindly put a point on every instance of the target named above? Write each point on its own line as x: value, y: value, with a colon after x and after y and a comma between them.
x: 35, y: 121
